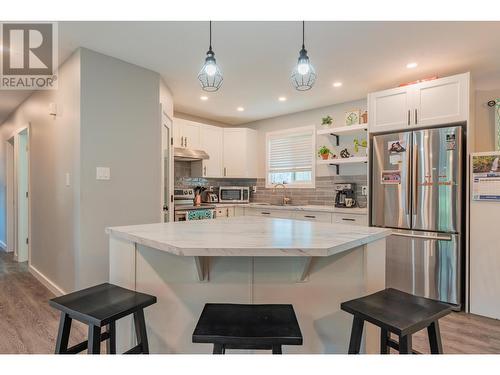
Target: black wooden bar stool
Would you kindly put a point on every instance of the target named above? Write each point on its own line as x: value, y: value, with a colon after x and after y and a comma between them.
x: 231, y: 326
x: 98, y: 306
x: 400, y: 313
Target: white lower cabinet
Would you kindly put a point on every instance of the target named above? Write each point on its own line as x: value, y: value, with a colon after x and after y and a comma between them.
x: 351, y: 219
x: 323, y: 217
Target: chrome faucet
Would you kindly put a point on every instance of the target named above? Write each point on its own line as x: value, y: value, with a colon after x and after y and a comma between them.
x: 286, y: 200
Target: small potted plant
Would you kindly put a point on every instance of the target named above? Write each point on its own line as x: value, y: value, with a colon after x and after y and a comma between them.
x: 327, y: 121
x: 324, y: 152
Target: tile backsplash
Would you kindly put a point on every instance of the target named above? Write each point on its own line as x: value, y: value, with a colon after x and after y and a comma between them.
x: 323, y: 194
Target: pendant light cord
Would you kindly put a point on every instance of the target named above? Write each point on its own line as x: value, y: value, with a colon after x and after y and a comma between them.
x: 303, y: 32
x: 210, y: 44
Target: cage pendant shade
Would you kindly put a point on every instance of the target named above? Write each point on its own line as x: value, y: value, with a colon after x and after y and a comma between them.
x: 210, y: 76
x: 303, y: 76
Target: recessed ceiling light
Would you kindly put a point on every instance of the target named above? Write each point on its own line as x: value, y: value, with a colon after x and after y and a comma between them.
x: 240, y: 109
x: 337, y: 84
x: 204, y: 98
x: 282, y: 99
x: 411, y: 65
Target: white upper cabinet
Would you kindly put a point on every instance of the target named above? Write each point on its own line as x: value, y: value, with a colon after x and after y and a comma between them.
x: 239, y: 153
x: 436, y: 102
x: 389, y: 109
x: 212, y: 143
x: 442, y: 101
x: 187, y: 134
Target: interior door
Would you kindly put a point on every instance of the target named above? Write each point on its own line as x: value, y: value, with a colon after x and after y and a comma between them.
x: 437, y: 179
x: 390, y: 180
x: 424, y: 264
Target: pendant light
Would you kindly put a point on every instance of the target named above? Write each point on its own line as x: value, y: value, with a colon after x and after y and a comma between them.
x: 303, y: 76
x: 210, y: 76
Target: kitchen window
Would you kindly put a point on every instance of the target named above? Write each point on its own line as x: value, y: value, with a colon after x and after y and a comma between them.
x: 290, y: 158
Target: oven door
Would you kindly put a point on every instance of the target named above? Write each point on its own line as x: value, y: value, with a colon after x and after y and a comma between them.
x: 230, y: 195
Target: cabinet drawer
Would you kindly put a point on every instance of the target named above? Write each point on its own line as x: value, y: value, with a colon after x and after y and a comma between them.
x: 323, y: 217
x: 351, y: 219
x: 268, y: 213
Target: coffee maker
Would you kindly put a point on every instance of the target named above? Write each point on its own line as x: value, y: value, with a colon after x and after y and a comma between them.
x: 345, y: 195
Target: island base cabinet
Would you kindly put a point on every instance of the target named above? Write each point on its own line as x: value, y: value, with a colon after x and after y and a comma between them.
x: 173, y: 280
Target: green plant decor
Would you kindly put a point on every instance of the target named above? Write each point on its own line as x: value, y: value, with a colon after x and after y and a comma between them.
x: 327, y: 120
x: 357, y: 143
x: 323, y: 150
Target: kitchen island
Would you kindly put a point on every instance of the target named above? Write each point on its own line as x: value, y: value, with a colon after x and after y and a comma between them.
x: 314, y: 266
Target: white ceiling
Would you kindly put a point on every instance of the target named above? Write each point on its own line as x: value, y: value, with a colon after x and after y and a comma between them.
x: 257, y: 57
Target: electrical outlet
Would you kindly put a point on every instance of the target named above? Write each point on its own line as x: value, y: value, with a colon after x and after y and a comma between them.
x: 364, y: 190
x: 254, y: 189
x: 103, y: 173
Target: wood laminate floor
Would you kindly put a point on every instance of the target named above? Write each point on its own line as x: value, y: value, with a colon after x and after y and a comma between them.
x: 29, y: 325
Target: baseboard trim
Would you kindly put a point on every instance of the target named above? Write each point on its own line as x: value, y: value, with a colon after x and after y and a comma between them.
x: 46, y: 282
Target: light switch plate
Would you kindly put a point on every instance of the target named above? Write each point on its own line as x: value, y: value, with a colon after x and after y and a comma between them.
x: 68, y: 180
x: 103, y: 173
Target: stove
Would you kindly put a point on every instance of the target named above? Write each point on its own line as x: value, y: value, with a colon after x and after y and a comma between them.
x: 185, y: 210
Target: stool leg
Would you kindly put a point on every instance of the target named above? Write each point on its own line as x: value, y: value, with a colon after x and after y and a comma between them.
x: 435, y: 338
x: 405, y: 344
x: 356, y: 334
x: 140, y: 331
x: 63, y: 334
x: 219, y: 349
x: 94, y: 339
x: 277, y: 349
x: 111, y: 342
x: 384, y: 337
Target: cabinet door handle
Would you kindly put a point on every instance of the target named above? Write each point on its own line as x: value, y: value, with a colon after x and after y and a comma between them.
x: 186, y: 141
x: 265, y: 213
x: 182, y: 141
x: 225, y: 172
x: 205, y: 170
x: 347, y: 219
x: 416, y: 121
x: 310, y: 216
x: 408, y: 117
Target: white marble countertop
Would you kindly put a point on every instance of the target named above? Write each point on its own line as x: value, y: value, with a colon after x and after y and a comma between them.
x: 250, y: 236
x: 321, y: 208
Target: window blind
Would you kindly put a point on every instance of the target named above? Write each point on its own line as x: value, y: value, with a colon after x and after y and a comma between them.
x: 291, y: 152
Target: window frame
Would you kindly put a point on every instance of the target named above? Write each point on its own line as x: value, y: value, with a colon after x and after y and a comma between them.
x: 286, y: 132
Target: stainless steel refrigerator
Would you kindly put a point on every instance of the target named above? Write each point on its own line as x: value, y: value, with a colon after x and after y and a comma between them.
x: 416, y: 188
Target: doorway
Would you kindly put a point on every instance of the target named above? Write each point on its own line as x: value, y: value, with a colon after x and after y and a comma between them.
x: 18, y: 207
x: 167, y: 167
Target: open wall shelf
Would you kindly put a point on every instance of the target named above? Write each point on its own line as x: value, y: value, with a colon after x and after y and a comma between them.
x: 341, y: 161
x: 343, y: 130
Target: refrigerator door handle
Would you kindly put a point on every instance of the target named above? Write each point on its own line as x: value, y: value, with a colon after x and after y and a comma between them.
x: 415, y: 180
x: 423, y: 236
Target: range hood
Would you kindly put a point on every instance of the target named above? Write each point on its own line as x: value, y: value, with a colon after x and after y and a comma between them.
x: 186, y: 154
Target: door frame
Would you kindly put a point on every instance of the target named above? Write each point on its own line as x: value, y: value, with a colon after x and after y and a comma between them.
x: 12, y: 144
x: 167, y: 121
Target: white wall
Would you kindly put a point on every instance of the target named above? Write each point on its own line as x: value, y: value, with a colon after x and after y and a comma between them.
x: 120, y: 105
x: 306, y: 118
x: 54, y: 151
x: 484, y: 124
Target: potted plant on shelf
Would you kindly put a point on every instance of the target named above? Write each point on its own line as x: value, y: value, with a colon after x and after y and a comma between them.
x: 324, y: 152
x: 327, y: 121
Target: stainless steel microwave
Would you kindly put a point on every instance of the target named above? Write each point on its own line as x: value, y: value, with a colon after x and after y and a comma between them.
x: 234, y: 194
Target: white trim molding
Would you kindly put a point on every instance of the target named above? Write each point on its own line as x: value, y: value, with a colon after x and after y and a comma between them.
x: 46, y: 282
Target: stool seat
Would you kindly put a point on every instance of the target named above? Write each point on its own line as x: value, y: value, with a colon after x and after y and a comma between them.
x: 397, y: 311
x: 239, y: 326
x: 98, y: 306
x: 102, y: 303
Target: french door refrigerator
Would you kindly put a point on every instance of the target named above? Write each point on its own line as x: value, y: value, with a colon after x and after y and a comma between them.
x: 416, y: 188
